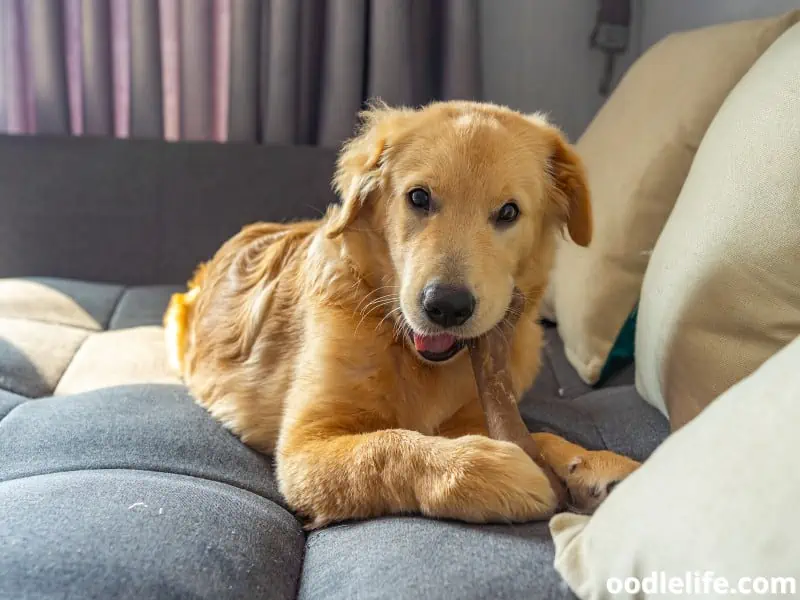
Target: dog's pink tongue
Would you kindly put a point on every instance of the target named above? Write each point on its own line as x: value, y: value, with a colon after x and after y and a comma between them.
x: 434, y: 343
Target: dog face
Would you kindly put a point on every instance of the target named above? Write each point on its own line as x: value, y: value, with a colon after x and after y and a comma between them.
x: 467, y: 197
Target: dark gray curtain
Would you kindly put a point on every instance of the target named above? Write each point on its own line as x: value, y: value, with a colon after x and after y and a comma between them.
x: 319, y: 60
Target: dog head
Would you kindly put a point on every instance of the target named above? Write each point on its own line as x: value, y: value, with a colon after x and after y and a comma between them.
x: 468, y: 198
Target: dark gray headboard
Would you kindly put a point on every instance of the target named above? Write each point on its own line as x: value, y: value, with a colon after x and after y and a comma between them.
x: 141, y: 212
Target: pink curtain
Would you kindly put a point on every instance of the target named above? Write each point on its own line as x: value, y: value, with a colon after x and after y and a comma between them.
x: 283, y: 71
x: 87, y: 47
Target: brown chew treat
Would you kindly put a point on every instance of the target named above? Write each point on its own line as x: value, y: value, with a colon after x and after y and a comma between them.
x: 489, y: 355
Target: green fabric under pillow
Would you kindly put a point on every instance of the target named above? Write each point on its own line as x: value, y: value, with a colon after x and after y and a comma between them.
x: 622, y: 351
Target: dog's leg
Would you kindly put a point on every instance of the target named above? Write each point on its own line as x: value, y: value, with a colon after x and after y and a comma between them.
x: 328, y: 477
x: 589, y: 476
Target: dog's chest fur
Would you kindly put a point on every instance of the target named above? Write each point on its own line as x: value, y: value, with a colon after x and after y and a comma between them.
x: 429, y: 395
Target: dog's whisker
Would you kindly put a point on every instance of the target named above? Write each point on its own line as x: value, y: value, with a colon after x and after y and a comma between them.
x: 389, y: 299
x: 368, y: 311
x: 376, y: 305
x: 373, y: 292
x: 378, y: 299
x: 388, y: 315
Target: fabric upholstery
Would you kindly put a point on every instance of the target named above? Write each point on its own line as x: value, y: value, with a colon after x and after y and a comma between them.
x: 9, y: 402
x: 411, y: 557
x: 34, y: 356
x: 420, y: 558
x: 145, y: 427
x: 60, y: 301
x: 637, y: 152
x: 558, y: 379
x: 719, y: 495
x: 125, y: 356
x: 134, y: 491
x: 54, y: 336
x: 143, y: 212
x: 133, y: 535
x: 612, y: 418
x: 722, y: 292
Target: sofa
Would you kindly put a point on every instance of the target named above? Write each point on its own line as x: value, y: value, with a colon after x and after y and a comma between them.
x: 114, y: 483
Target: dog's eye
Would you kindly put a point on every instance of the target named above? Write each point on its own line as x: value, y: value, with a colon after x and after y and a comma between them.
x: 508, y: 213
x: 420, y: 199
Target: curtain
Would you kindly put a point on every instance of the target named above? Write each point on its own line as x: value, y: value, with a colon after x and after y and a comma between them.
x: 268, y: 71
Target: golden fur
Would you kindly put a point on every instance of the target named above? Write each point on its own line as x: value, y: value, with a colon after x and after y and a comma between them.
x: 295, y: 337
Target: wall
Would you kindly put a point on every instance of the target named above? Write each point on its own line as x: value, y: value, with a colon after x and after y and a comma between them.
x: 661, y: 17
x: 535, y: 55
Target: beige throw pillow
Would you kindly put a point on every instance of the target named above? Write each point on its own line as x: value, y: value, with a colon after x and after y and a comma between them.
x: 722, y: 292
x: 714, y: 503
x: 638, y: 151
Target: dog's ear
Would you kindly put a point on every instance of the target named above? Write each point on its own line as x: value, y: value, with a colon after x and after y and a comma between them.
x: 358, y: 169
x: 570, y: 187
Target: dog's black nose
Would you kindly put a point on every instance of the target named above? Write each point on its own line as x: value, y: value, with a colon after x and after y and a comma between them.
x: 448, y: 305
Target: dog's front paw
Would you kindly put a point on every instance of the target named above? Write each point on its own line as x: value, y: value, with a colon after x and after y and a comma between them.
x: 489, y: 481
x: 590, y: 476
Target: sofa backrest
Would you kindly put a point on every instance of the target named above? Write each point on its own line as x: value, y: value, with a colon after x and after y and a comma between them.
x: 143, y: 212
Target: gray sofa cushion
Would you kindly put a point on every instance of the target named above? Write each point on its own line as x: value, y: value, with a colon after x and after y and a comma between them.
x: 614, y: 418
x: 134, y: 491
x: 558, y: 379
x: 150, y: 427
x: 8, y: 402
x: 412, y: 557
x: 129, y: 534
x: 61, y: 336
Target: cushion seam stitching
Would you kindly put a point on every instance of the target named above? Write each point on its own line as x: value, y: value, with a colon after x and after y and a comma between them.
x: 53, y: 323
x: 187, y: 475
x: 68, y: 365
x: 114, y: 310
x: 13, y: 408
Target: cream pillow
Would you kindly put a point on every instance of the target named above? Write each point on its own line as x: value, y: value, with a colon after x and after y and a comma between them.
x: 722, y: 292
x: 638, y: 151
x: 718, y: 496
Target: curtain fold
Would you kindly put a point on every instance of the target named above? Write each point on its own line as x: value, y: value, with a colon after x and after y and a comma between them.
x: 269, y: 71
x: 96, y: 60
x: 45, y: 49
x: 146, y: 99
x: 243, y: 91
x: 342, y: 78
x: 196, y: 76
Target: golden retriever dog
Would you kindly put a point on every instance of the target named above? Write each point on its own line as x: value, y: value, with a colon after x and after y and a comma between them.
x: 339, y: 344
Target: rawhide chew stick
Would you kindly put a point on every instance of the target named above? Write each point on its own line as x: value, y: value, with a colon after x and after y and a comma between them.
x: 490, y: 356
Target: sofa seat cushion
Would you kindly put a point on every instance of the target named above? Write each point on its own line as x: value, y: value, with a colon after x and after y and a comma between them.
x: 135, y: 492
x: 8, y: 402
x: 132, y: 534
x: 411, y: 557
x: 60, y: 336
x: 615, y: 419
x: 152, y: 427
